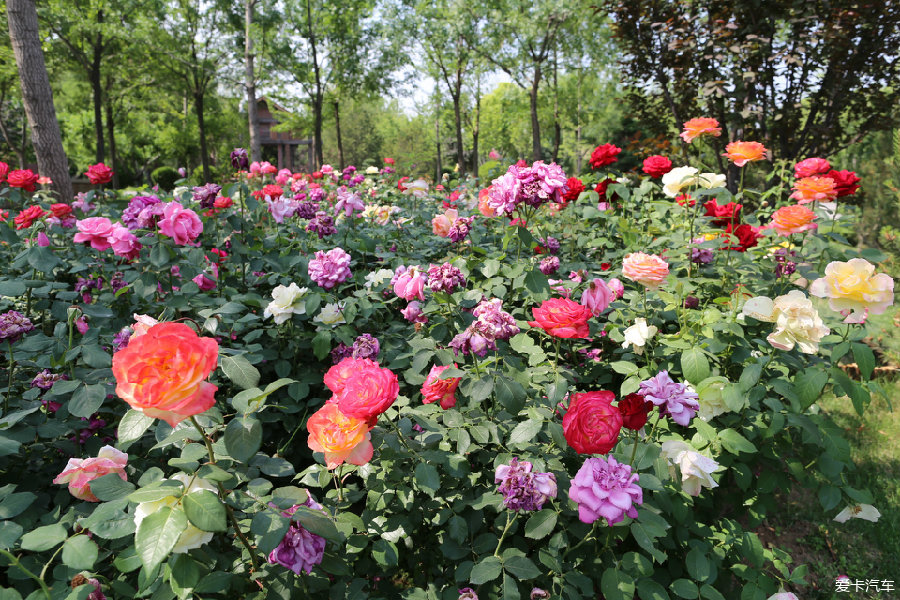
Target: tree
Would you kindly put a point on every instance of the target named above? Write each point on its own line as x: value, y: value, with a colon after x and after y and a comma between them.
x: 804, y: 78
x: 37, y: 95
x: 13, y: 123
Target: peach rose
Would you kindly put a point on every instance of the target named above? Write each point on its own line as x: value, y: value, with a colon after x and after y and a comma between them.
x: 647, y: 269
x: 440, y: 390
x: 339, y: 437
x: 793, y: 219
x: 162, y: 373
x: 441, y: 224
x: 814, y: 189
x: 142, y: 323
x: 700, y: 126
x: 562, y: 318
x: 79, y: 473
x: 483, y: 206
x: 740, y: 153
x: 854, y: 287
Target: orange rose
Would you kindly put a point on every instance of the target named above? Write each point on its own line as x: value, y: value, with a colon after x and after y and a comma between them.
x: 700, y: 126
x: 562, y: 318
x: 483, y: 206
x: 647, y: 269
x: 793, y: 219
x: 740, y: 153
x: 162, y: 373
x: 339, y: 437
x: 814, y: 189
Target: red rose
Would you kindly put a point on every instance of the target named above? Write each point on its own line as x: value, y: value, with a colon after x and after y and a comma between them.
x: 61, y: 211
x: 316, y: 175
x: 562, y: 318
x: 400, y: 182
x: 99, y: 174
x: 25, y: 179
x: 574, y: 187
x: 634, y: 409
x: 722, y: 215
x: 657, y: 166
x: 604, y: 155
x: 592, y: 423
x: 272, y: 191
x: 389, y: 161
x: 600, y: 188
x: 685, y: 198
x: 605, y: 266
x: 368, y: 392
x: 845, y: 182
x: 747, y: 236
x: 4, y: 170
x: 28, y: 216
x: 223, y: 202
x: 521, y: 163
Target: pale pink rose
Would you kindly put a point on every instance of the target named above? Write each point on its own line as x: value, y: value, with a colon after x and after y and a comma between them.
x: 441, y: 224
x: 597, y: 297
x: 181, y: 224
x: 124, y: 243
x: 649, y: 270
x: 267, y: 168
x: 141, y: 324
x: 326, y: 169
x: 616, y: 286
x: 283, y: 176
x: 94, y: 230
x: 79, y: 473
x: 254, y: 168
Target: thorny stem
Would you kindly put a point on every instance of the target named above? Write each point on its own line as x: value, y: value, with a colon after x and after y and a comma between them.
x: 509, y: 522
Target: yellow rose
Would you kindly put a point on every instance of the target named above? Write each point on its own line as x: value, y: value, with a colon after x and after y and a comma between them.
x: 854, y: 289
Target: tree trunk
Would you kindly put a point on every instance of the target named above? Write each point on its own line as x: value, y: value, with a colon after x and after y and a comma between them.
x: 317, y: 101
x: 201, y: 130
x: 37, y: 95
x: 457, y: 115
x: 337, y: 126
x: 536, y: 153
x: 95, y: 76
x: 578, y: 124
x: 250, y: 83
x: 476, y: 128
x: 111, y: 129
x: 437, y: 141
x: 557, y: 130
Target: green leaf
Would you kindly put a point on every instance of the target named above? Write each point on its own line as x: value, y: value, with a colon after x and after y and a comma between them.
x: 87, y: 399
x: 96, y: 357
x: 44, y: 538
x: 157, y: 535
x: 322, y: 344
x: 616, y: 585
x: 711, y: 593
x: 428, y: 478
x: 239, y: 370
x: 385, y: 553
x: 205, y: 510
x: 865, y: 359
x: 14, y: 504
x: 694, y: 365
x: 10, y: 532
x: 540, y: 524
x: 243, y: 437
x: 156, y: 491
x: 521, y: 568
x: 685, y: 588
x: 79, y: 552
x: 698, y: 565
x: 735, y: 442
x: 319, y: 523
x: 648, y: 589
x: 132, y: 426
x: 252, y: 400
x: 624, y: 367
x: 510, y: 394
x: 750, y: 376
x: 487, y: 569
x: 525, y: 431
x: 829, y: 497
x: 111, y: 487
x: 858, y: 394
x: 809, y: 384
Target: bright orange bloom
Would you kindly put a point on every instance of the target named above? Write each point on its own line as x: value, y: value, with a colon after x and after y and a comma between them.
x: 163, y: 372
x: 740, y: 153
x: 814, y: 189
x: 339, y: 437
x: 793, y: 219
x: 700, y: 126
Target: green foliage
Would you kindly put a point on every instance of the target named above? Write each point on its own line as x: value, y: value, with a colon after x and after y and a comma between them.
x: 165, y: 177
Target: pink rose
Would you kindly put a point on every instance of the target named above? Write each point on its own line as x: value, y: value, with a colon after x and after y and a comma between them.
x: 616, y: 286
x: 79, y: 473
x: 94, y: 230
x: 440, y: 390
x: 181, y: 224
x: 597, y: 297
x: 413, y: 313
x: 204, y: 282
x: 409, y: 283
x: 283, y: 177
x: 123, y: 242
x: 810, y: 167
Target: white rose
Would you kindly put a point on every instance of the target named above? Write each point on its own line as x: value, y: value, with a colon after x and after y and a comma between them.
x: 677, y: 179
x: 378, y: 277
x: 371, y: 170
x: 761, y: 308
x: 286, y: 301
x: 712, y: 180
x: 712, y: 402
x: 331, y: 314
x: 638, y: 334
x: 696, y: 469
x: 858, y: 511
x: 797, y: 323
x: 418, y: 188
x: 783, y: 595
x: 191, y: 537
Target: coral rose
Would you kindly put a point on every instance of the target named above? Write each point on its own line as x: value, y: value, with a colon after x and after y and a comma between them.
x: 163, y: 372
x: 99, y: 174
x: 181, y: 224
x: 604, y: 155
x: 61, y: 210
x: 339, y: 437
x: 23, y: 178
x: 484, y: 204
x: 814, y: 189
x: 79, y: 473
x: 95, y: 231
x: 440, y: 390
x: 649, y: 270
x: 337, y: 376
x: 854, y: 288
x: 793, y: 219
x: 740, y: 153
x: 28, y: 216
x: 657, y: 166
x: 700, y: 126
x: 562, y: 318
x: 368, y: 393
x: 811, y: 166
x: 592, y: 424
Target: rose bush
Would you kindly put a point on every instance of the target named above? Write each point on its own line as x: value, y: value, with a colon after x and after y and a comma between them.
x: 470, y: 425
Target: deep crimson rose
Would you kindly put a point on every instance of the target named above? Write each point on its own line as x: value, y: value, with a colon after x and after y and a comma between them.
x: 61, y: 210
x: 656, y: 166
x: 747, y: 236
x: 574, y: 187
x: 634, y: 409
x: 99, y: 174
x: 28, y: 216
x: 4, y: 171
x: 722, y: 215
x: 845, y: 182
x: 23, y: 178
x: 600, y: 188
x: 604, y: 155
x: 562, y: 318
x: 316, y: 175
x: 592, y: 423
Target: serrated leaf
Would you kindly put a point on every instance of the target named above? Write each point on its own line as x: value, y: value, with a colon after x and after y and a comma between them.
x: 540, y: 524
x: 521, y: 567
x: 525, y: 431
x: 809, y: 384
x: 735, y: 442
x: 865, y: 359
x: 79, y: 552
x: 694, y: 365
x: 685, y: 588
x: 132, y: 426
x: 87, y: 399
x: 44, y: 538
x: 111, y: 487
x: 157, y: 535
x: 205, y: 510
x: 427, y: 478
x: 243, y: 438
x: 488, y: 569
x: 239, y: 370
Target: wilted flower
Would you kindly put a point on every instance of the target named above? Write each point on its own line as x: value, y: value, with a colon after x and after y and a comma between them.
x: 239, y: 159
x: 858, y: 511
x: 696, y: 469
x: 521, y: 488
x: 206, y: 194
x: 13, y: 325
x: 460, y: 229
x: 366, y: 346
x: 330, y: 268
x: 322, y: 225
x: 445, y: 278
x: 549, y: 265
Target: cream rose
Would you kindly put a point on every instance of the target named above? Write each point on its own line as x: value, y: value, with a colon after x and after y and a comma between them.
x: 696, y: 469
x: 331, y: 314
x: 191, y: 537
x: 677, y: 179
x: 638, y: 334
x: 797, y: 323
x: 853, y: 288
x: 286, y: 302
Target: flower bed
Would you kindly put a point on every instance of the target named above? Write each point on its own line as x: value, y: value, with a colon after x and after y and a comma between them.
x: 343, y: 384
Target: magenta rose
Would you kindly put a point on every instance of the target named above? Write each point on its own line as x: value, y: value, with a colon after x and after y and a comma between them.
x: 181, y: 224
